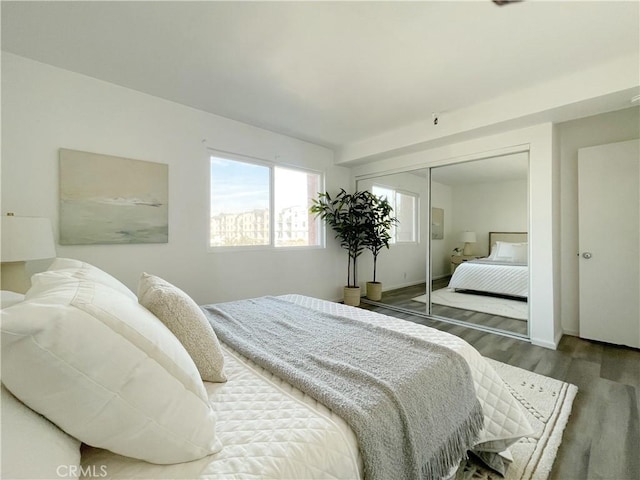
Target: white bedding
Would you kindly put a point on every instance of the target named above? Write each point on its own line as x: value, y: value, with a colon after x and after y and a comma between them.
x: 502, y: 279
x: 272, y: 430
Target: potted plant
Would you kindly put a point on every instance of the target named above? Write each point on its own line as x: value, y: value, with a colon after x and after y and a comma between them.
x: 377, y: 236
x: 346, y: 214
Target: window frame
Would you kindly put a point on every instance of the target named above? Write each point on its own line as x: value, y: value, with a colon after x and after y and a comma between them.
x: 271, y: 246
x: 416, y: 217
x: 416, y: 213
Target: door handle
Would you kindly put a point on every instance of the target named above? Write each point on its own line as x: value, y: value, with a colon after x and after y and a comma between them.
x: 587, y: 255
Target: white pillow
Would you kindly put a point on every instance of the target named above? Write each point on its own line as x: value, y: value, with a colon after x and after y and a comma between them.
x: 185, y: 319
x: 32, y: 446
x: 105, y: 370
x: 511, y: 252
x: 8, y: 298
x: 86, y: 271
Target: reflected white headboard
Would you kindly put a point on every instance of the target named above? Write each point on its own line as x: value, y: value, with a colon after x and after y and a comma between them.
x: 512, y: 237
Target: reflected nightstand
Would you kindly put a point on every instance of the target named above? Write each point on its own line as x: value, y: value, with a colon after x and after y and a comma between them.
x: 458, y: 259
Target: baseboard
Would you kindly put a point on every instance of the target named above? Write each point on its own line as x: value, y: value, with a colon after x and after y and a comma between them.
x: 402, y: 285
x: 546, y: 344
x: 438, y: 277
x: 573, y: 333
x: 558, y: 338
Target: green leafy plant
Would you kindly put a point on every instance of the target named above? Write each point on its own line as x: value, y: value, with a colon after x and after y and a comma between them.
x: 348, y: 215
x: 379, y: 222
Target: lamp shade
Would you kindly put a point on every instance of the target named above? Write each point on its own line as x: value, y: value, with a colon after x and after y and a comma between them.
x: 468, y: 237
x: 26, y: 238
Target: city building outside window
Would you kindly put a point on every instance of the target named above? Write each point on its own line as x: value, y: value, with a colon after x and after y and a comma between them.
x: 256, y: 204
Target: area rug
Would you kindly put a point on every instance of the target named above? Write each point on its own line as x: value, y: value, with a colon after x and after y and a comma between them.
x: 503, y: 307
x: 547, y: 403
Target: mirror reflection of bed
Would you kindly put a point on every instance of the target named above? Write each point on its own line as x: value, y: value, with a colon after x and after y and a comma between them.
x: 483, y: 196
x: 490, y: 290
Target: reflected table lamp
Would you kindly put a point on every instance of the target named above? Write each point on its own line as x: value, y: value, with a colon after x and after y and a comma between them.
x: 468, y: 238
x: 23, y: 239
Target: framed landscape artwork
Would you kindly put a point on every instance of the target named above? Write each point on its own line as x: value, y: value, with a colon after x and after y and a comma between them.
x: 112, y: 200
x: 437, y: 223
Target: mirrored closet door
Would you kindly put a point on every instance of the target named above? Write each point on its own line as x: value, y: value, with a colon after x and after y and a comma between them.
x: 468, y: 260
x: 402, y: 268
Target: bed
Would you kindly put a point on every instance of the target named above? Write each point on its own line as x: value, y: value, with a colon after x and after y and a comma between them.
x: 264, y: 426
x: 503, y: 272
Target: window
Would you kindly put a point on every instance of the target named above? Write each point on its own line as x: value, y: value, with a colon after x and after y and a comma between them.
x: 257, y: 204
x: 405, y: 209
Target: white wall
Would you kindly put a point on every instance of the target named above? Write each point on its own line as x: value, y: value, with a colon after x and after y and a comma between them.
x: 611, y: 127
x: 490, y: 207
x: 441, y: 250
x: 46, y: 108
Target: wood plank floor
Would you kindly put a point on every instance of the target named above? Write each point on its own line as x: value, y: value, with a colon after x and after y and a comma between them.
x: 602, y: 438
x: 402, y: 298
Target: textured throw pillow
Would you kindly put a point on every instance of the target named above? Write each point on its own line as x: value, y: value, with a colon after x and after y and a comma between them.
x: 86, y: 271
x: 185, y: 319
x: 106, y: 371
x: 32, y: 446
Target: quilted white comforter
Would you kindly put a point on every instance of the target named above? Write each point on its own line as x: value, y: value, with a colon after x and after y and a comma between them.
x: 493, y: 278
x: 271, y: 430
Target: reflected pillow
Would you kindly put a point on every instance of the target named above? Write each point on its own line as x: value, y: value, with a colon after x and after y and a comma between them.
x: 511, y: 252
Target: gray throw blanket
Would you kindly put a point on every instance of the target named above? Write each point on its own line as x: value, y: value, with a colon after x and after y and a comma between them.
x: 411, y: 403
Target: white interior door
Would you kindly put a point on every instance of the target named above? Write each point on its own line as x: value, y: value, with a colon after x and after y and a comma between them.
x: 609, y: 243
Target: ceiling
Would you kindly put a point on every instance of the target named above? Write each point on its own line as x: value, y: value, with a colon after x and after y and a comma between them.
x: 331, y: 73
x: 505, y: 168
